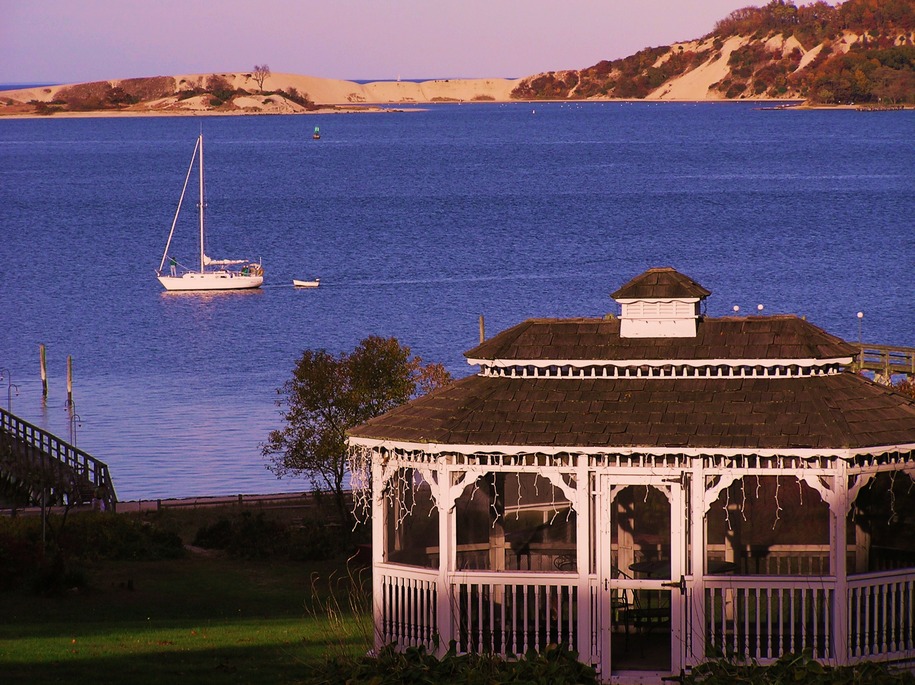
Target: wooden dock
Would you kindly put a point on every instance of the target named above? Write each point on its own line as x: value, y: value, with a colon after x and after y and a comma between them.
x: 886, y: 360
x: 39, y: 469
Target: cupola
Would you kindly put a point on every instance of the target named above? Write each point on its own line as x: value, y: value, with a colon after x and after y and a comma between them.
x: 660, y: 303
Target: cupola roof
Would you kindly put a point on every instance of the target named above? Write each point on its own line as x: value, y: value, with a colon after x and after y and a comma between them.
x: 661, y: 283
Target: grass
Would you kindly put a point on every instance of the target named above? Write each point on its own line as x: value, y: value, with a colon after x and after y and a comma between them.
x: 206, y: 618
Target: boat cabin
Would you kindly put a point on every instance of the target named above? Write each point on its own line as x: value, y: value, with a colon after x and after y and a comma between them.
x: 652, y: 488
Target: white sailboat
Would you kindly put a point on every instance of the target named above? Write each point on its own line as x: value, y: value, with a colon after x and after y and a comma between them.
x: 213, y: 274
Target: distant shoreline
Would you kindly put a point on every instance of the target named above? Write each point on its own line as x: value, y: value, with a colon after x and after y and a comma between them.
x: 185, y: 95
x: 130, y: 114
x: 402, y: 108
x: 762, y: 105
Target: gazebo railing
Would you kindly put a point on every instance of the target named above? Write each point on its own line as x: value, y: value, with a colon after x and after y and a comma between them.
x: 512, y: 613
x: 759, y: 618
x: 881, y: 612
x: 409, y: 614
x: 766, y: 617
x: 777, y: 560
x: 495, y: 612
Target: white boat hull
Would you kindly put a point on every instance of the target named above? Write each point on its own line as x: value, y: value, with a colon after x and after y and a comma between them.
x: 307, y: 284
x: 211, y: 280
x: 248, y: 276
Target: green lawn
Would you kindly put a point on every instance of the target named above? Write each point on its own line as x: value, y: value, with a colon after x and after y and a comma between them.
x: 202, y: 619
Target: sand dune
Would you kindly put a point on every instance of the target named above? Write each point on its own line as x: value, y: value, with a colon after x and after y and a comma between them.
x: 321, y: 91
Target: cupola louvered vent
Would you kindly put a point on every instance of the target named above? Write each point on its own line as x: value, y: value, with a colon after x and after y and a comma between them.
x: 660, y: 303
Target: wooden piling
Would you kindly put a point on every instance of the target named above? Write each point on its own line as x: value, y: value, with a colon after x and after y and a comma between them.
x: 44, y: 370
x: 69, y: 380
x: 482, y: 330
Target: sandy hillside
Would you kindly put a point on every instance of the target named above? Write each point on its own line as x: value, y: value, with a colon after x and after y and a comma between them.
x: 320, y: 90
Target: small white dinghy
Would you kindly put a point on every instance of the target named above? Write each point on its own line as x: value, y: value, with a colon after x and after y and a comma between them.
x: 307, y: 284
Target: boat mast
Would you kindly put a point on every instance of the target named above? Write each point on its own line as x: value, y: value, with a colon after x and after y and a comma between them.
x: 201, y: 203
x: 171, y: 233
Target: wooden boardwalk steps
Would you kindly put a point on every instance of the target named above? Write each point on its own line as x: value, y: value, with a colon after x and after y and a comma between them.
x: 38, y: 468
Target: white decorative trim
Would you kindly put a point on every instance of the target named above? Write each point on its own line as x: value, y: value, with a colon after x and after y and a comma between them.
x: 811, y: 361
x: 632, y: 300
x: 659, y: 368
x: 712, y: 492
x: 803, y: 453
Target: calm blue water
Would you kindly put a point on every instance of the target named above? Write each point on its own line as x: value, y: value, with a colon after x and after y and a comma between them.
x: 416, y: 223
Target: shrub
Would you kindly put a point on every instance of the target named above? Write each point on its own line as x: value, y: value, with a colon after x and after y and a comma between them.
x: 735, y: 90
x: 257, y: 537
x: 56, y: 577
x: 113, y: 536
x: 219, y: 87
x: 19, y: 554
x: 217, y: 535
x: 795, y: 668
x: 46, y: 109
x: 556, y: 665
x: 89, y: 536
x: 316, y: 541
x: 296, y: 97
x: 148, y: 88
x: 54, y: 567
x: 246, y: 536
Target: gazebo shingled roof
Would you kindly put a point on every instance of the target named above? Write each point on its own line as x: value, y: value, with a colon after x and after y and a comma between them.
x: 758, y: 337
x: 839, y: 411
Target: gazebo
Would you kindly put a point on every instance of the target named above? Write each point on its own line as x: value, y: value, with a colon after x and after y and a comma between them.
x: 653, y: 489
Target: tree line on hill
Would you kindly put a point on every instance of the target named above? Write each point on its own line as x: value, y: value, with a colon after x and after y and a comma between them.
x: 878, y: 68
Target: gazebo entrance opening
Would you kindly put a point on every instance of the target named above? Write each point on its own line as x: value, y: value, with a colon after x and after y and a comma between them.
x: 642, y: 561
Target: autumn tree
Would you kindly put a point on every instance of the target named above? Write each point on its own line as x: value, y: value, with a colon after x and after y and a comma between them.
x: 906, y: 386
x: 327, y: 395
x: 260, y: 74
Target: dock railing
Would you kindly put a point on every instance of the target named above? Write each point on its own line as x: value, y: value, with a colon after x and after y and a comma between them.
x: 887, y: 360
x: 41, y: 462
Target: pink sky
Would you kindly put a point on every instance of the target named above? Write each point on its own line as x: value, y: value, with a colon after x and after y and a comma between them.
x: 66, y: 41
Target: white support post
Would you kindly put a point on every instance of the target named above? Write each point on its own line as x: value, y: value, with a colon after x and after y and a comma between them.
x: 583, y: 546
x: 604, y: 571
x: 696, y: 587
x: 839, y: 508
x: 678, y: 514
x: 446, y: 558
x: 378, y: 540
